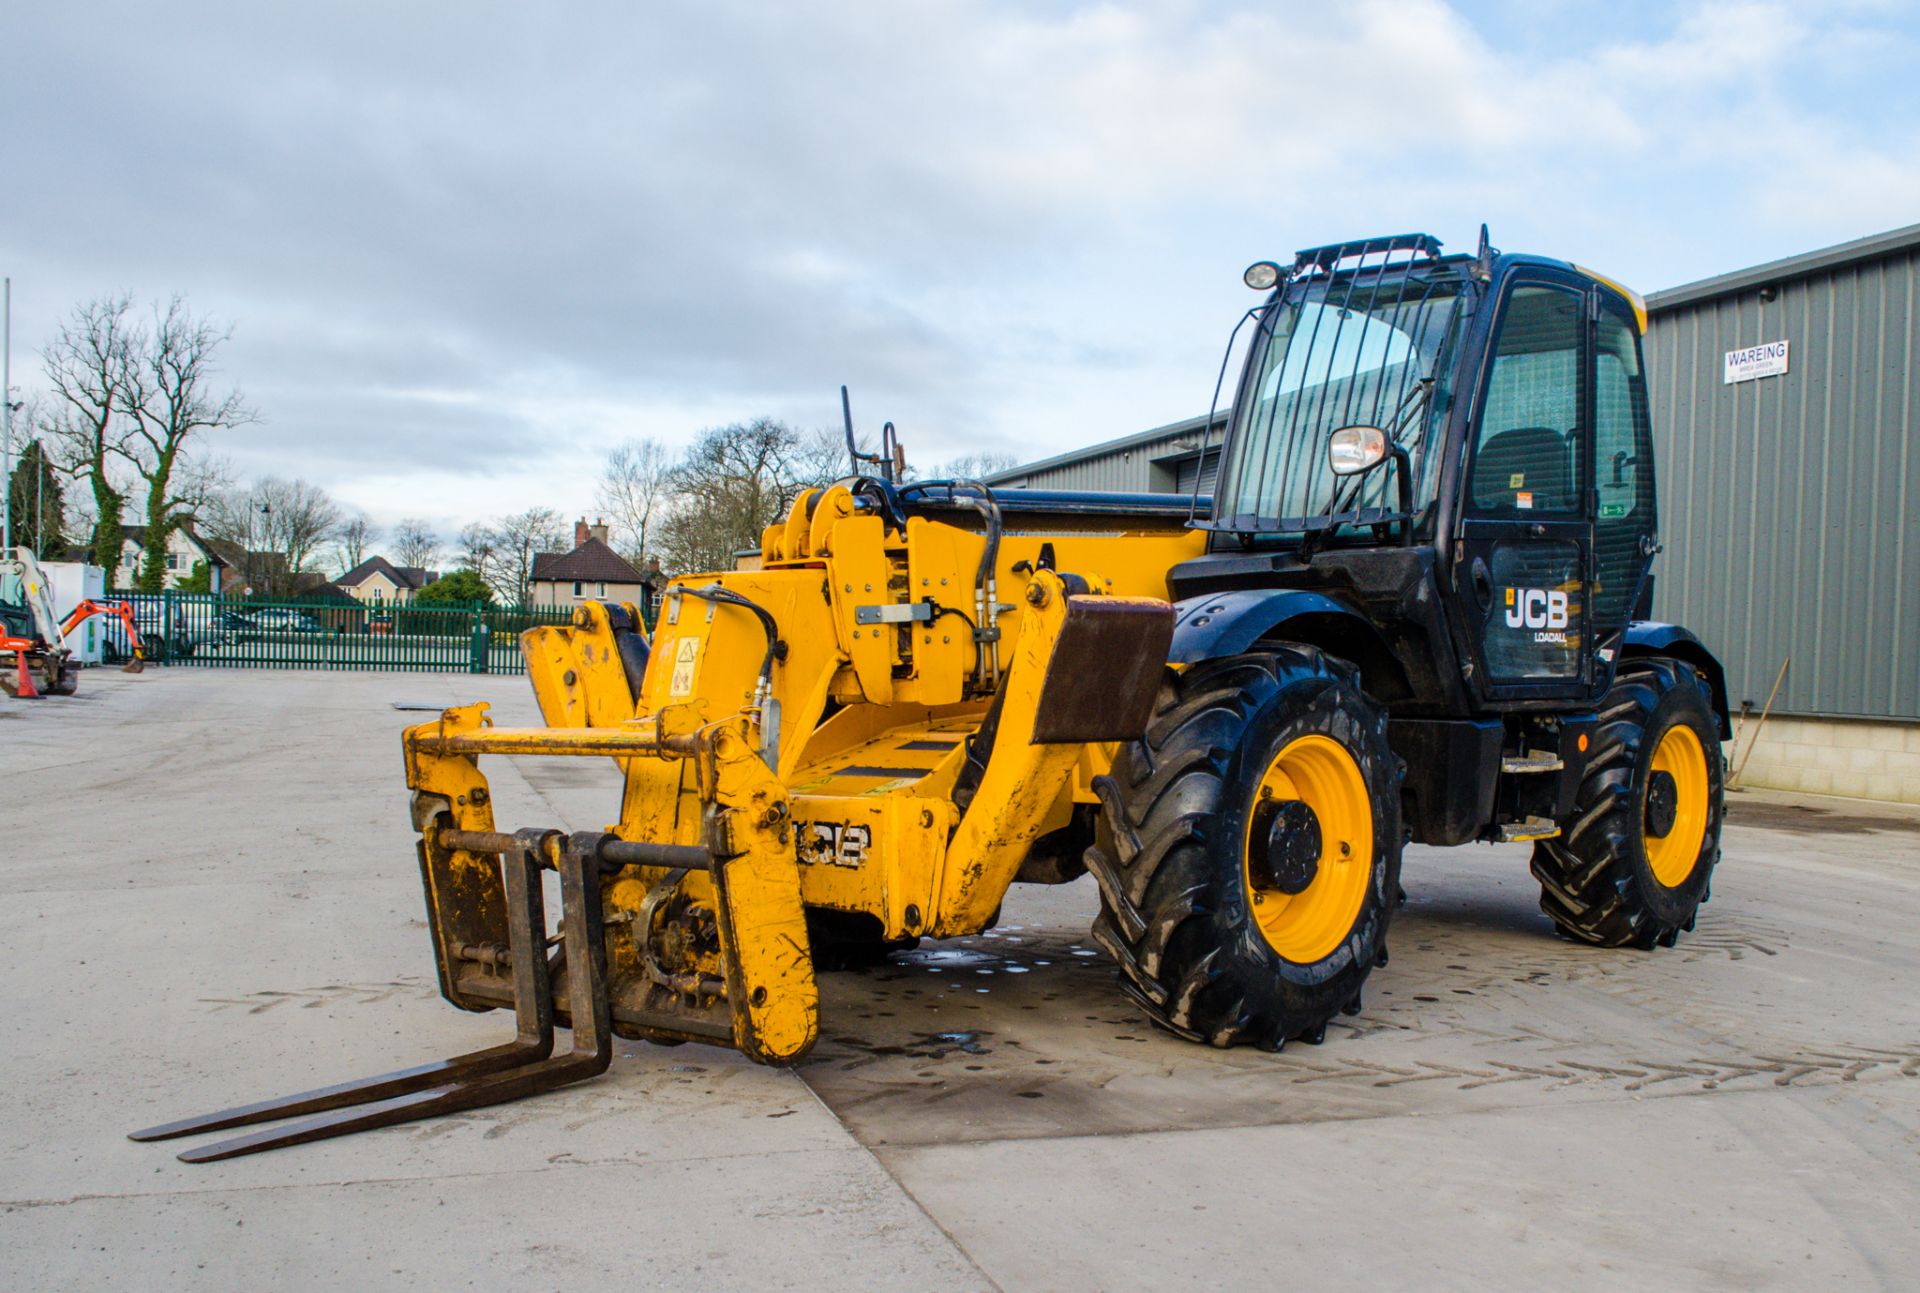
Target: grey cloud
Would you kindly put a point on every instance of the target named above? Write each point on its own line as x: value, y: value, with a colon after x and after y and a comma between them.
x: 510, y: 232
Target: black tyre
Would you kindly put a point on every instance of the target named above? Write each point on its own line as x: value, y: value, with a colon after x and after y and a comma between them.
x: 1635, y: 860
x: 1251, y: 849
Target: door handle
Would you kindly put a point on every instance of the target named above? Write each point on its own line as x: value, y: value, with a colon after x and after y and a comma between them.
x: 1482, y: 584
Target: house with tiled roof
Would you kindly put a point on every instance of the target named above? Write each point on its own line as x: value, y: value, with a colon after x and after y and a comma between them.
x: 378, y: 580
x: 185, y: 550
x: 592, y: 572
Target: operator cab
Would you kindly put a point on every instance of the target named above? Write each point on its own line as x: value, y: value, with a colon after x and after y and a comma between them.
x: 1459, y: 448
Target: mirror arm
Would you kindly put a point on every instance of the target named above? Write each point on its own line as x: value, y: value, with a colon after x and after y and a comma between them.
x: 1403, y: 469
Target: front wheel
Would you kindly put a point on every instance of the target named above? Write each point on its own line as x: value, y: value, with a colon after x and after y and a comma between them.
x: 1633, y: 862
x: 1251, y: 849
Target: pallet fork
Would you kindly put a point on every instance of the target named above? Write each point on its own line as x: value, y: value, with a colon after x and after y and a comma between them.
x: 524, y: 1066
x: 484, y: 890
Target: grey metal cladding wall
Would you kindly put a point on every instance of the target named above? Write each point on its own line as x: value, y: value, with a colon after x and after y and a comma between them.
x: 1126, y: 472
x: 1788, y: 504
x: 1127, y: 465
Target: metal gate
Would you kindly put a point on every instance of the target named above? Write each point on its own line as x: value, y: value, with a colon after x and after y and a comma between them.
x: 212, y: 631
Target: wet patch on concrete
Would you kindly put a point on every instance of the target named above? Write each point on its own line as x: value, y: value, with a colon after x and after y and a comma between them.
x: 1810, y: 819
x: 1481, y: 1007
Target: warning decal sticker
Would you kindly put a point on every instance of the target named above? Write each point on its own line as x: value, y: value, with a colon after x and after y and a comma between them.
x: 686, y: 660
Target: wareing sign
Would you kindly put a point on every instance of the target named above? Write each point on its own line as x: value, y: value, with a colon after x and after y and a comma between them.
x: 1768, y: 359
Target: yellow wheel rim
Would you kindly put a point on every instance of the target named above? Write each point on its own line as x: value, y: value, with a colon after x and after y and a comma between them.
x: 1307, y: 926
x: 1672, y: 856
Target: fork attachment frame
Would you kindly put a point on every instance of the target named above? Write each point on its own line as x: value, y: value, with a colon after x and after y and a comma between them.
x: 524, y: 1066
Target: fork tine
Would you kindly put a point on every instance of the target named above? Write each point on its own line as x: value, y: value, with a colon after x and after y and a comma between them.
x: 533, y: 1014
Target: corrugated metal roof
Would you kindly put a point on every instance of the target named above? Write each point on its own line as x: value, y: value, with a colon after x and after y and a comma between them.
x: 1777, y: 271
x: 1027, y: 473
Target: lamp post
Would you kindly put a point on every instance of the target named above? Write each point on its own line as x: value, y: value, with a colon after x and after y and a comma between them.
x: 266, y: 529
x: 6, y: 419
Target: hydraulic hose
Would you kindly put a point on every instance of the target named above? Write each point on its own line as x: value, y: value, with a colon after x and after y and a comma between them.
x: 987, y: 631
x: 715, y: 593
x: 766, y: 710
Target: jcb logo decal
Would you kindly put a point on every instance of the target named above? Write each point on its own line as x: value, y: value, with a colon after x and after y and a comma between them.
x: 833, y: 844
x: 1536, y: 608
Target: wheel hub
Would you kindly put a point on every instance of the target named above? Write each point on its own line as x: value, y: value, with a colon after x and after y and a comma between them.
x: 1663, y: 803
x: 1291, y: 857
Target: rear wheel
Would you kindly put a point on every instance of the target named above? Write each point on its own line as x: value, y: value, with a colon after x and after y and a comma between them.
x: 1634, y: 861
x: 1251, y: 849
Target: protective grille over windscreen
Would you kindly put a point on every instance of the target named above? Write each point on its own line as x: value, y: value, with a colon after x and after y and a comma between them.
x: 1354, y: 337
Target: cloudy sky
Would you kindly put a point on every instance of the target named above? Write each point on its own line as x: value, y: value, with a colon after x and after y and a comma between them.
x: 465, y: 247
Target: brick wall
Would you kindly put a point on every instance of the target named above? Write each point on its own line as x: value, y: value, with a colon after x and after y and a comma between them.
x: 1864, y: 760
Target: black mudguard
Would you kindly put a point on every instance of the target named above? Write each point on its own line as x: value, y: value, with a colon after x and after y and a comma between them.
x: 1651, y: 637
x: 1223, y: 624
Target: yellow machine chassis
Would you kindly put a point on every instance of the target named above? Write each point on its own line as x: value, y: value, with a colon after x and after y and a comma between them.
x: 883, y: 757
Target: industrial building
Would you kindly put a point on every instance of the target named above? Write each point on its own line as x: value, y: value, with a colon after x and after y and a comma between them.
x: 1785, y: 401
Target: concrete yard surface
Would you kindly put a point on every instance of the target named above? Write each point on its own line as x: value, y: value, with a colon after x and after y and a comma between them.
x: 212, y: 897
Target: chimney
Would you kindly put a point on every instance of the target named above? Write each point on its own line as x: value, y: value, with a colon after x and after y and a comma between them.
x: 580, y: 531
x: 598, y: 529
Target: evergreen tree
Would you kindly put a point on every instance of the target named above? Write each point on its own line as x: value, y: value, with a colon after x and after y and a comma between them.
x: 34, y: 491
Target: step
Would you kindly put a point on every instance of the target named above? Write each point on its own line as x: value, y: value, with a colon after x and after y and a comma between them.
x: 1530, y: 828
x: 1545, y: 761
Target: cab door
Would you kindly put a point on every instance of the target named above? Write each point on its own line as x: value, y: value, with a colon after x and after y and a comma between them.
x: 1624, y: 518
x: 1525, y: 540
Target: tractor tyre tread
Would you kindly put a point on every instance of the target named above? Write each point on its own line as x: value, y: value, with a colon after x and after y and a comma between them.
x: 1595, y: 883
x: 1167, y: 859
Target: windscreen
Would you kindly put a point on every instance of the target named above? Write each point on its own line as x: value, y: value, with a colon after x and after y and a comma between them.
x: 1335, y: 350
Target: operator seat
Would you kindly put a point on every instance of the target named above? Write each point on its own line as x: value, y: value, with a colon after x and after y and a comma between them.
x: 1542, y: 460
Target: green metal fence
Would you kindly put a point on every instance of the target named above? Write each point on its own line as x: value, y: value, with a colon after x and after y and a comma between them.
x: 256, y: 632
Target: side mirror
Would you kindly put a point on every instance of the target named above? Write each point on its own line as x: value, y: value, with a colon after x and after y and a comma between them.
x: 1352, y: 450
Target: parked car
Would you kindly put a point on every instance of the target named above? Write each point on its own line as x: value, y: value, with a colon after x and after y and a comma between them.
x: 160, y: 637
x: 281, y: 619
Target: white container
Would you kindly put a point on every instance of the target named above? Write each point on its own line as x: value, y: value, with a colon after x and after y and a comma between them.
x: 72, y: 582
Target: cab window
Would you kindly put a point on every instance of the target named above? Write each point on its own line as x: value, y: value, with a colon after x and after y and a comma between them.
x: 1623, y: 466
x: 1527, y: 459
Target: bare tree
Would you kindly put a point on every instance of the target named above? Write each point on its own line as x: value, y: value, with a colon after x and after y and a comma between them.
x: 633, y: 485
x: 356, y: 534
x: 476, y: 548
x: 515, y: 540
x: 89, y: 366
x: 974, y: 466
x: 414, y: 542
x: 819, y: 457
x: 729, y: 486
x: 170, y: 399
x: 278, y: 528
x: 198, y: 481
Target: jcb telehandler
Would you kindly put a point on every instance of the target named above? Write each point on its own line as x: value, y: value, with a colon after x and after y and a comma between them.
x: 1407, y: 611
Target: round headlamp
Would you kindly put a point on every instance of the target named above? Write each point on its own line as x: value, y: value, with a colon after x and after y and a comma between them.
x: 1261, y: 276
